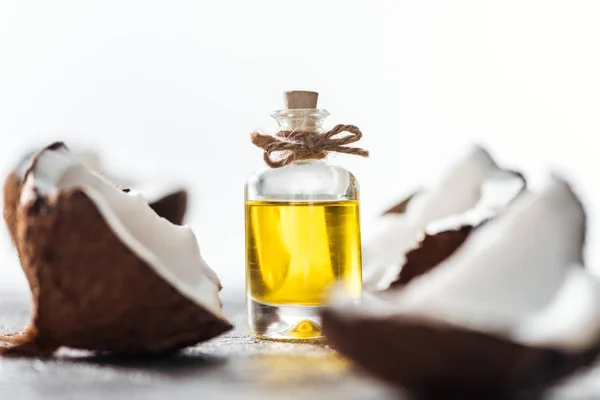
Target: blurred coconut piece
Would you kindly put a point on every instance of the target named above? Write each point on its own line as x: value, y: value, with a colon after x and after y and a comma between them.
x: 511, y: 309
x: 470, y: 191
x: 444, y: 236
x: 106, y: 273
x: 527, y: 249
x: 167, y: 198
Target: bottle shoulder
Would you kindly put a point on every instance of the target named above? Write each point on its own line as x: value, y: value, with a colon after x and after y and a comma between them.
x: 315, y: 181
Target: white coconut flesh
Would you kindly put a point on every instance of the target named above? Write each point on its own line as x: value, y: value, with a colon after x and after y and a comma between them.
x: 497, y: 192
x: 472, y: 181
x: 170, y: 250
x: 152, y: 191
x: 572, y: 320
x: 157, y: 189
x: 519, y: 276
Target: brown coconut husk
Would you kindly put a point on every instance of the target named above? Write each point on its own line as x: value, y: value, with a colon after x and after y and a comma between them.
x: 11, y: 199
x: 92, y: 292
x: 442, y: 361
x: 173, y: 207
x: 431, y: 251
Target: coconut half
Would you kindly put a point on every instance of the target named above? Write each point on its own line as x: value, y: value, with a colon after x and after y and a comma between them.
x: 469, y: 192
x: 106, y: 272
x: 168, y: 199
x: 511, y: 309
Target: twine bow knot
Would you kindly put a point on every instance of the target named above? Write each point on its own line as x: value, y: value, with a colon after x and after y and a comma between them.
x: 307, y: 145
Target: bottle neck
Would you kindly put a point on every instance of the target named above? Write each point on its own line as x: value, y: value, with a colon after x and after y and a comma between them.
x: 300, y: 119
x: 308, y: 162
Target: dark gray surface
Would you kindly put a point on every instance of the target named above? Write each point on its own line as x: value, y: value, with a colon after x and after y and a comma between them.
x: 234, y: 366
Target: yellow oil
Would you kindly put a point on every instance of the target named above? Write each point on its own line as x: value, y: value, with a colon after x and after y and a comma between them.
x: 295, y: 251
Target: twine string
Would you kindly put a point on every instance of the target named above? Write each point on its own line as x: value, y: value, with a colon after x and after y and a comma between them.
x: 288, y: 146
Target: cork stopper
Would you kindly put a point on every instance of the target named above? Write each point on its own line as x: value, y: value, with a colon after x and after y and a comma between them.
x: 296, y: 99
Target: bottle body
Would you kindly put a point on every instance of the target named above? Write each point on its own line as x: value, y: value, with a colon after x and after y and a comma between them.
x: 302, y: 237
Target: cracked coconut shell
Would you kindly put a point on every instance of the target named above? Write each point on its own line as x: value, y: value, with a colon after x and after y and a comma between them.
x: 169, y: 201
x: 511, y: 310
x: 474, y: 182
x: 443, y: 237
x: 106, y: 273
x: 445, y: 362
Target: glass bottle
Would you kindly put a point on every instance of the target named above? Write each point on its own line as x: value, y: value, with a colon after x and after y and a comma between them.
x: 302, y: 236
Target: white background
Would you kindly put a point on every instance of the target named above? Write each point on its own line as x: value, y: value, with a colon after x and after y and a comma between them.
x: 175, y: 87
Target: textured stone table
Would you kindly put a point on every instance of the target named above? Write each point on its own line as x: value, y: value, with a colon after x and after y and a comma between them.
x: 234, y: 366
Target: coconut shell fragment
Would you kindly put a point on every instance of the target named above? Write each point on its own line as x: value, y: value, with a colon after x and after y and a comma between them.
x: 97, y: 282
x: 472, y: 189
x: 442, y: 361
x: 508, y: 309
